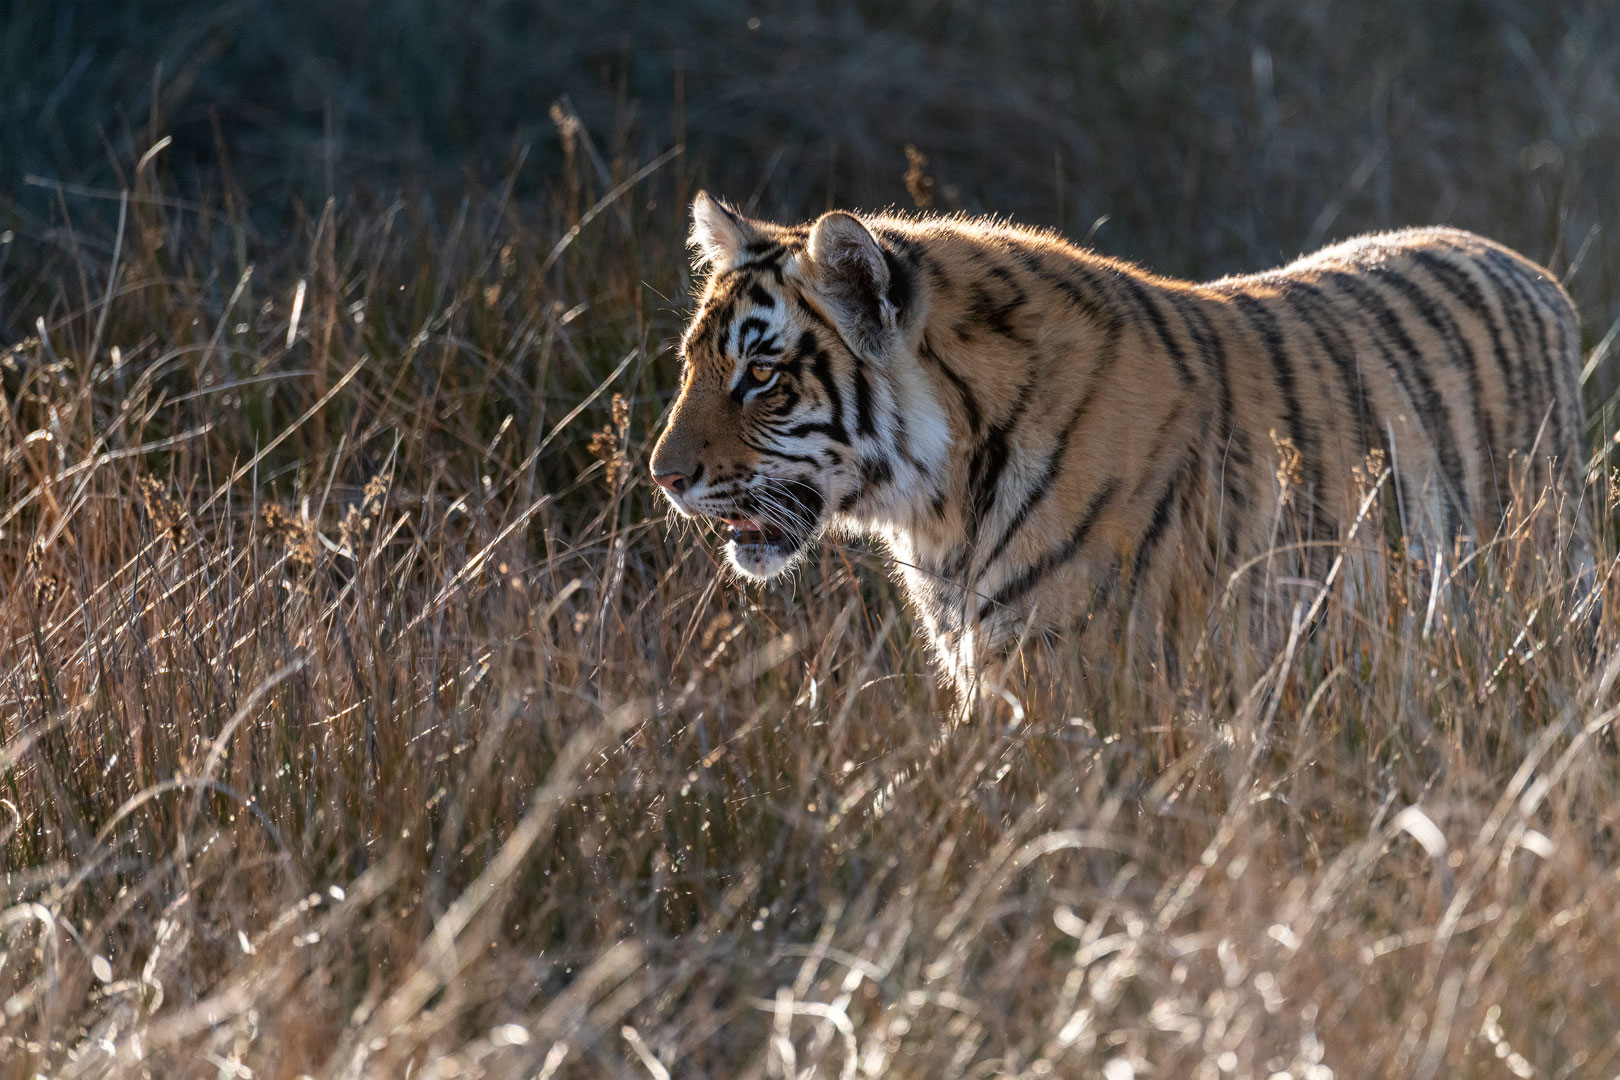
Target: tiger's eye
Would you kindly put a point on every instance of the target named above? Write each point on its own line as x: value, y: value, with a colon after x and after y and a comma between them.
x: 761, y: 373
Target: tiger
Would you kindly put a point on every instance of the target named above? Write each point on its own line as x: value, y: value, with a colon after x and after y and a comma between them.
x: 1035, y: 433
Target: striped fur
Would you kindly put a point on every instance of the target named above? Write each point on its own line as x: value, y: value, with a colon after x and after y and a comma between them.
x: 1036, y: 432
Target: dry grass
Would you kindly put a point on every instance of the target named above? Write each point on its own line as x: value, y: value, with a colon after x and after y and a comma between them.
x: 362, y: 715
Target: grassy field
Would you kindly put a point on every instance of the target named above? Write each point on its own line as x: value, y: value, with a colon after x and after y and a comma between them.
x: 362, y: 714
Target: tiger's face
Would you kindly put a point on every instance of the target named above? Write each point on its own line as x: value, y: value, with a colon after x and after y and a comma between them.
x: 749, y: 442
x: 764, y: 436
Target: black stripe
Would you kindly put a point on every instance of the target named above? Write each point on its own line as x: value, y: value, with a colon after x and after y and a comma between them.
x: 901, y: 287
x: 789, y: 401
x: 1303, y: 438
x: 1341, y: 353
x: 990, y: 458
x: 1108, y: 318
x: 1506, y: 276
x: 815, y: 316
x: 1237, y: 464
x: 1161, y: 438
x: 793, y: 363
x: 1455, y: 280
x: 1527, y: 289
x: 1143, y: 299
x: 1431, y: 409
x: 821, y: 368
x: 1446, y: 328
x: 780, y: 455
x: 767, y: 255
x: 761, y: 295
x: 816, y: 427
x: 997, y: 315
x: 936, y: 273
x: 901, y: 243
x: 1569, y: 399
x: 863, y: 402
x: 1050, y: 471
x: 1524, y: 391
x: 902, y: 444
x: 1031, y: 576
x: 875, y: 472
x: 1158, y: 526
x: 1187, y: 305
x: 720, y: 322
x: 1086, y: 300
x: 970, y: 403
x: 753, y: 324
x: 1213, y: 352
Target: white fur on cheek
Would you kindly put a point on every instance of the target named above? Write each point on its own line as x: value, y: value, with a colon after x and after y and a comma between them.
x: 930, y: 428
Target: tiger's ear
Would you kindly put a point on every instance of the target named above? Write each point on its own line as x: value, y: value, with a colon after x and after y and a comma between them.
x: 848, y: 270
x: 719, y: 233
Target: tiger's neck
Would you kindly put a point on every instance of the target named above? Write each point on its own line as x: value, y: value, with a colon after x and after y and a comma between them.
x: 1004, y: 509
x: 904, y: 451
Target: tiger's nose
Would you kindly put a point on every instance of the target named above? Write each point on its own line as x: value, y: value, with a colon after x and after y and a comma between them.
x: 675, y: 482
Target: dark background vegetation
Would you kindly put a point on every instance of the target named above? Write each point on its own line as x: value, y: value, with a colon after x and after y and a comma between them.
x: 360, y: 711
x: 1213, y: 136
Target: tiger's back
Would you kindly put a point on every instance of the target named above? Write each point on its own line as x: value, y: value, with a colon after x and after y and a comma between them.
x: 1115, y: 441
x: 1438, y: 347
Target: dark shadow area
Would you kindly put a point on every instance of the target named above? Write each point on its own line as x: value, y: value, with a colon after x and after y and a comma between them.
x: 1212, y: 136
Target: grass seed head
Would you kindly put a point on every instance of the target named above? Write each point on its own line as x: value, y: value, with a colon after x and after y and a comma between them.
x: 1290, y: 466
x: 1367, y: 473
x: 608, y: 444
x: 918, y: 183
x: 168, y: 514
x: 359, y: 519
x: 296, y: 533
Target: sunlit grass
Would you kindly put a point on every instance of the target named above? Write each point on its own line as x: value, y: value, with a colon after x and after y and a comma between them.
x: 362, y: 713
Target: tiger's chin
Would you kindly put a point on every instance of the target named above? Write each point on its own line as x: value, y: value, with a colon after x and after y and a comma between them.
x: 759, y: 556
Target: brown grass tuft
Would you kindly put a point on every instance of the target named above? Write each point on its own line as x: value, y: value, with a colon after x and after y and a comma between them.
x: 919, y: 185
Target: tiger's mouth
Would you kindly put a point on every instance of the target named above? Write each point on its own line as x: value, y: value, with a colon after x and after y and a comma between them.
x: 747, y: 531
x: 761, y: 549
x: 766, y: 541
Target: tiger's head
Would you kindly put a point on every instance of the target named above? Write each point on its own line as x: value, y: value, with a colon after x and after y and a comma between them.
x: 792, y: 390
